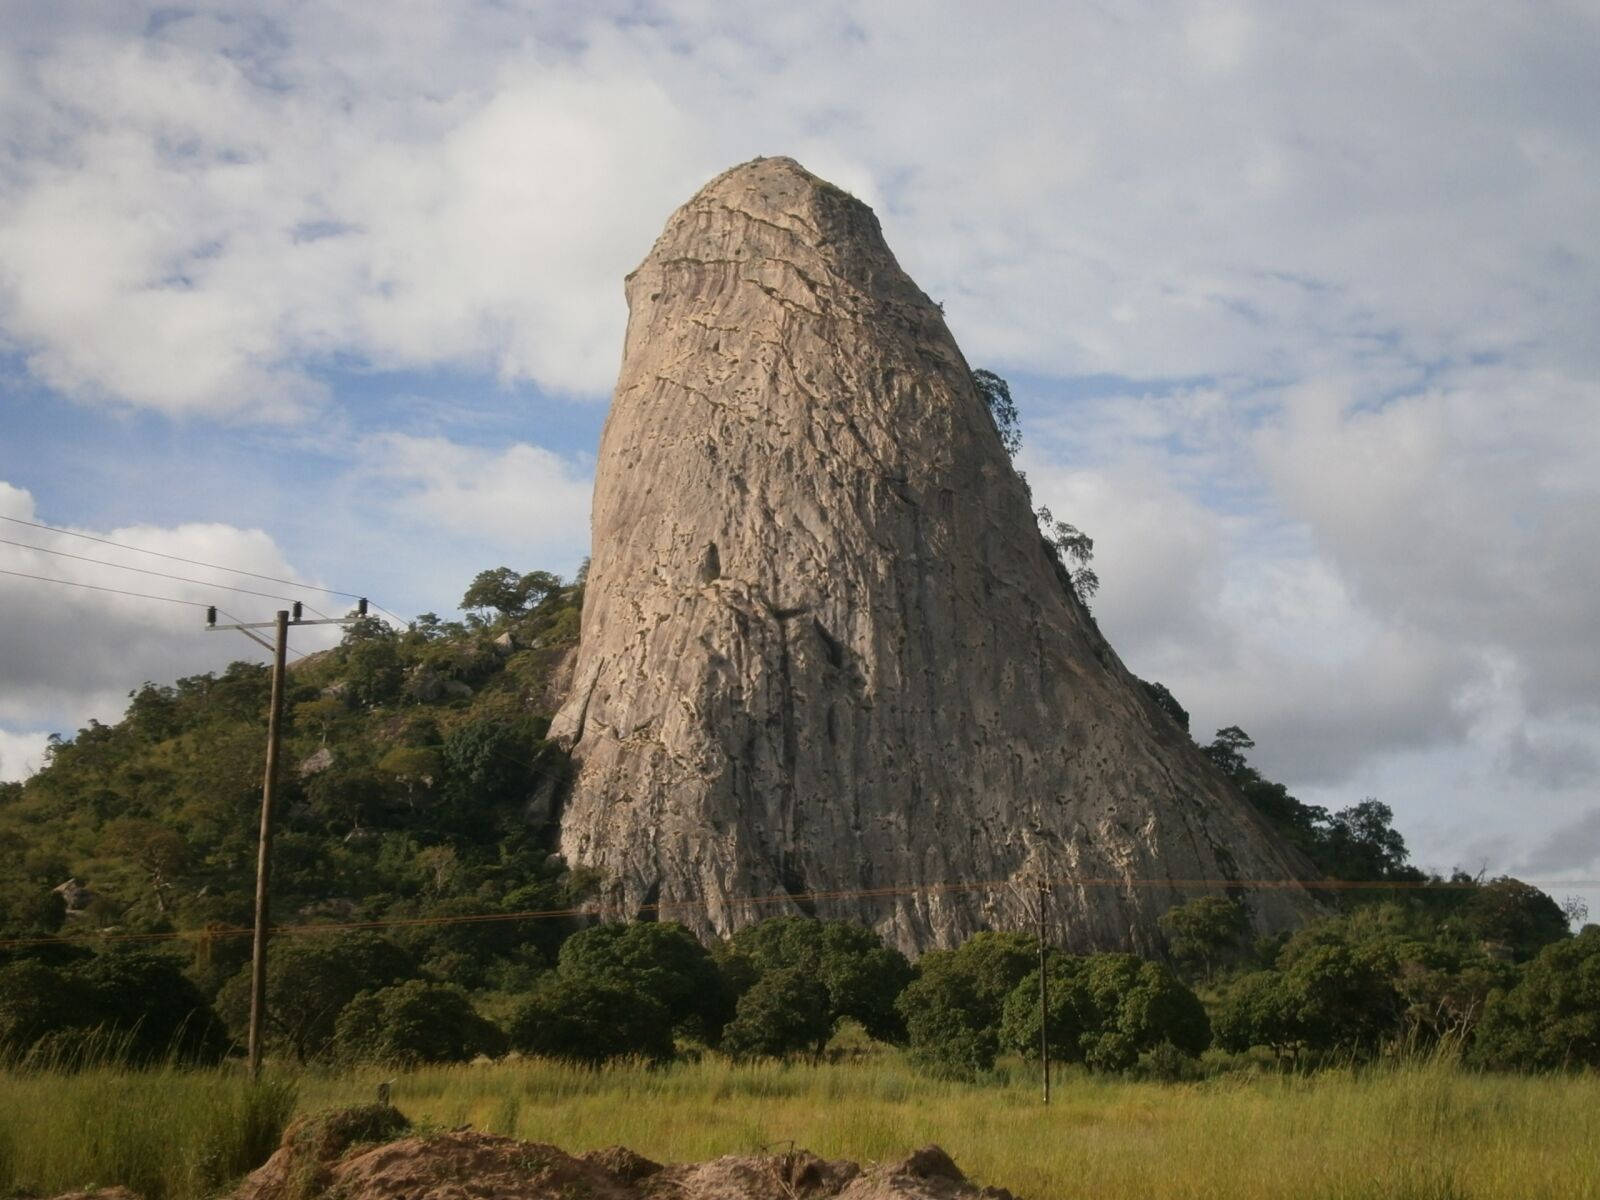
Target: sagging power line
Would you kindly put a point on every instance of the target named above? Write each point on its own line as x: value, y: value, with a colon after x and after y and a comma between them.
x: 101, y: 562
x: 196, y: 562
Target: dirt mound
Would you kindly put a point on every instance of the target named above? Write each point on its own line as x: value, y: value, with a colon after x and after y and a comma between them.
x: 332, y: 1155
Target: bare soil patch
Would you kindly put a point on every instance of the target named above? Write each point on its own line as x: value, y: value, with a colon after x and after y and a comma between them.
x: 355, y: 1154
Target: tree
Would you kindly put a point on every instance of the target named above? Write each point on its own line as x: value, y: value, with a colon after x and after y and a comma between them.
x: 370, y: 656
x: 1019, y: 1023
x: 1551, y: 1019
x: 136, y: 1008
x: 508, y: 593
x: 996, y: 394
x: 863, y: 977
x: 1167, y: 702
x: 662, y: 960
x: 1256, y: 1011
x: 953, y: 1008
x: 1514, y: 914
x: 1201, y: 931
x: 1361, y: 842
x: 417, y: 768
x: 309, y: 981
x: 785, y: 1012
x: 1105, y: 1010
x: 1227, y: 751
x: 487, y: 762
x: 39, y: 1003
x: 154, y: 1010
x: 413, y: 1022
x: 1070, y: 545
x: 591, y: 1020
x: 159, y: 852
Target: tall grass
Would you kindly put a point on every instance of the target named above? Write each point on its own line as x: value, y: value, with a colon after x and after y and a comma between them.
x: 167, y: 1133
x: 1423, y: 1130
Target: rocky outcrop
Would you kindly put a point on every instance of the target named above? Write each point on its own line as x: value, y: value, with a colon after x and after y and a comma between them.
x: 825, y: 648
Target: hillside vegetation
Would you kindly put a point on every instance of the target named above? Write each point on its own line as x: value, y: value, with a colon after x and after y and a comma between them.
x: 417, y: 835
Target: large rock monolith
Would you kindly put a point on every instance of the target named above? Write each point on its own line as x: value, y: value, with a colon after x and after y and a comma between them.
x: 825, y: 648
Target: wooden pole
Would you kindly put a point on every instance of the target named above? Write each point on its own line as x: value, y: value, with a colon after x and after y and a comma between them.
x: 269, y: 788
x: 1044, y: 996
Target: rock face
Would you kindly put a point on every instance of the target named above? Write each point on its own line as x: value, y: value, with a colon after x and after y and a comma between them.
x: 825, y: 648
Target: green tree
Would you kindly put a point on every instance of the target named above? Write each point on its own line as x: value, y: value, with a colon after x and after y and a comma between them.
x: 161, y: 853
x: 953, y: 1008
x: 310, y: 979
x: 507, y: 593
x: 1257, y: 1011
x: 1203, y: 930
x: 1551, y: 1019
x: 1513, y: 914
x: 413, y: 1022
x: 863, y: 977
x: 1104, y: 1011
x: 1070, y: 545
x: 39, y: 1003
x: 996, y: 395
x: 1167, y: 702
x: 785, y: 1012
x: 154, y: 1010
x: 662, y: 960
x: 370, y: 658
x: 591, y: 1021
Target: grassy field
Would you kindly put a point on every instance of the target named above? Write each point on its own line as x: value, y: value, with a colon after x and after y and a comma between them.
x: 1404, y: 1133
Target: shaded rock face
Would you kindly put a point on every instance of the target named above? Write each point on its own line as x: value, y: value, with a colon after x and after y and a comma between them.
x: 825, y: 648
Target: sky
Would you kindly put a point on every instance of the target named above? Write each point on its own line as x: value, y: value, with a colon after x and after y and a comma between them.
x: 1298, y: 303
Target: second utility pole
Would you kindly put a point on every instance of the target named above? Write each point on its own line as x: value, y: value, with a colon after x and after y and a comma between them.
x: 1044, y: 996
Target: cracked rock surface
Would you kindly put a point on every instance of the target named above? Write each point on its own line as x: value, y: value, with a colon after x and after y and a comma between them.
x: 825, y: 648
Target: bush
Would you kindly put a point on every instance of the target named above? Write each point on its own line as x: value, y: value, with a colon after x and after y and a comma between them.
x: 414, y: 1022
x: 131, y: 1008
x: 1551, y: 1019
x: 785, y: 1012
x: 310, y: 979
x: 953, y: 1009
x: 863, y: 977
x: 1105, y: 1010
x: 661, y: 960
x: 591, y: 1021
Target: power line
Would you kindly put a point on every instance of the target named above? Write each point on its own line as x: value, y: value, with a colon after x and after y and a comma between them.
x: 227, y: 587
x: 194, y: 562
x: 95, y: 587
x: 667, y: 907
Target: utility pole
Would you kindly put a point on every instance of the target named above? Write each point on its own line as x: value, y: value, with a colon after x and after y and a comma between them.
x: 269, y: 789
x: 1044, y: 994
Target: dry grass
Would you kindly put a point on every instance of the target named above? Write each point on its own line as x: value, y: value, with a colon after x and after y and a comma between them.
x: 1424, y: 1130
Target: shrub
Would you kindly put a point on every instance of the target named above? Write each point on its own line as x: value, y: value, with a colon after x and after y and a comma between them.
x: 785, y: 1012
x: 414, y: 1022
x: 590, y: 1021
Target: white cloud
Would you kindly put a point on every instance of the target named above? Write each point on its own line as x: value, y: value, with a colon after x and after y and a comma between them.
x: 197, y: 217
x: 83, y: 649
x: 21, y: 754
x: 523, y: 500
